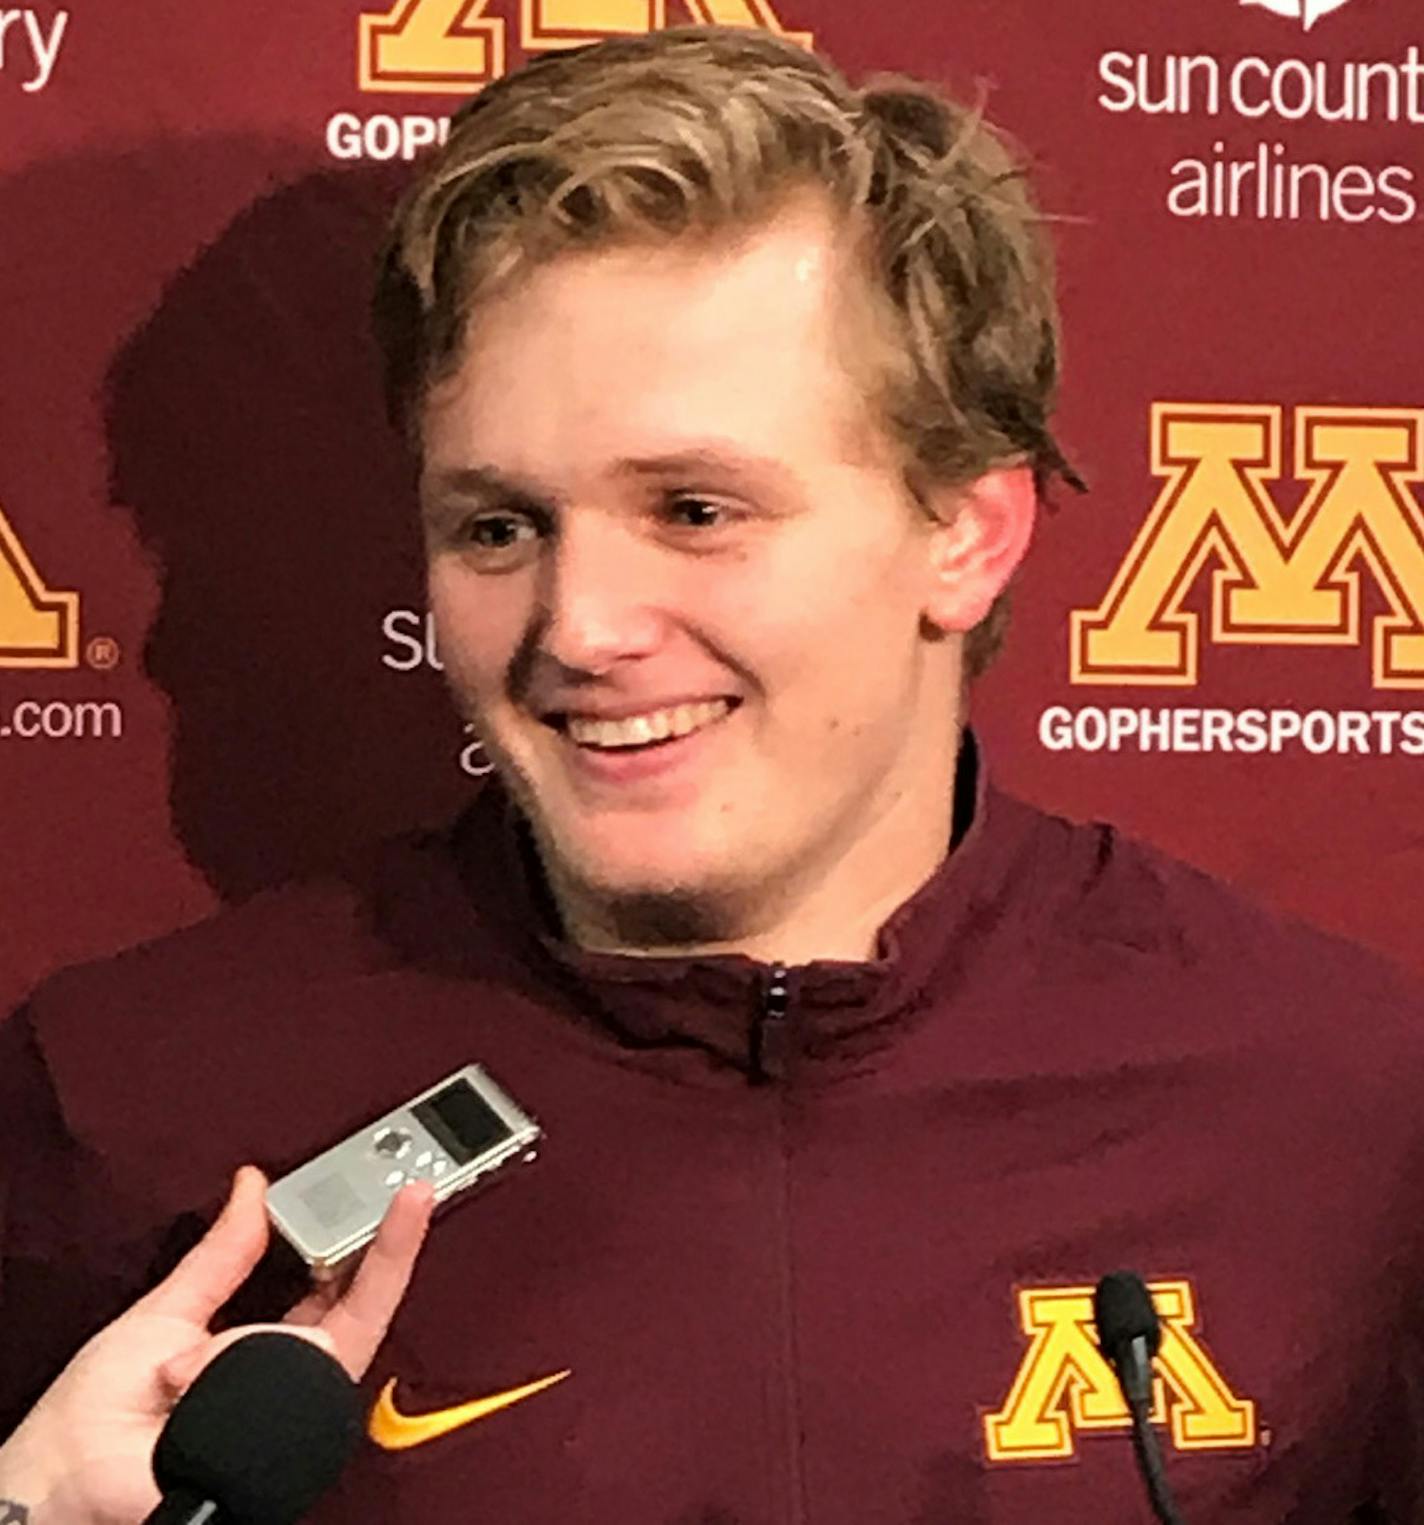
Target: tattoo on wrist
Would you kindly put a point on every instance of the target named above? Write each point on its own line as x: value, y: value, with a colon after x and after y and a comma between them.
x: 13, y: 1512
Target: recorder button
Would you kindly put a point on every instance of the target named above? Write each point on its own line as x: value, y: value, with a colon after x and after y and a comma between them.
x: 441, y: 1166
x: 396, y: 1178
x: 391, y: 1143
x: 423, y: 1159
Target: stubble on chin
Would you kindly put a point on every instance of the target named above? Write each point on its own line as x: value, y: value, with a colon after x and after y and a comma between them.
x: 665, y: 920
x: 637, y: 918
x: 590, y: 909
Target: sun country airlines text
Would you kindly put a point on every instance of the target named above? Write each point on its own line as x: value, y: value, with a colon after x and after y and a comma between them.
x: 410, y: 647
x: 1255, y: 110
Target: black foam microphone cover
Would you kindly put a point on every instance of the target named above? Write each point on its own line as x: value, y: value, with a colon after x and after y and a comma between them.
x: 263, y: 1432
x: 1130, y: 1335
x: 1123, y: 1312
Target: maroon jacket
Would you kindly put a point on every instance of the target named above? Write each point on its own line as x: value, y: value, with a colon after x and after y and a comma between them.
x: 823, y: 1267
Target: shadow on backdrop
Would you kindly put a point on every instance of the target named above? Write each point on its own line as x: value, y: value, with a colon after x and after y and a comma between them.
x: 246, y: 434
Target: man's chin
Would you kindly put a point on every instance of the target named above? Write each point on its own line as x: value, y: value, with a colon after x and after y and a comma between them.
x: 669, y: 920
x: 645, y: 904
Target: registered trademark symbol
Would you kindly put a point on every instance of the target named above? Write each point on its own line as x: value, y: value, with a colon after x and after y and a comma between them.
x: 103, y: 653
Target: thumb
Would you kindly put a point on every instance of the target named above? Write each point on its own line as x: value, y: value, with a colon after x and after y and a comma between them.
x: 181, y: 1371
x: 221, y: 1260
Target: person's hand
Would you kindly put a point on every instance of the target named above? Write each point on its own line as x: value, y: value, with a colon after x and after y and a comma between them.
x: 83, y: 1455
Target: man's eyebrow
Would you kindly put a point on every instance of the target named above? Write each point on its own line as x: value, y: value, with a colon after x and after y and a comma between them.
x: 685, y: 465
x: 701, y: 460
x: 480, y: 482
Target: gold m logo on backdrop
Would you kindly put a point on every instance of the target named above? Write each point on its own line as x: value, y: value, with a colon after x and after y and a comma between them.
x: 1276, y: 581
x: 39, y: 627
x: 1065, y: 1386
x: 453, y: 47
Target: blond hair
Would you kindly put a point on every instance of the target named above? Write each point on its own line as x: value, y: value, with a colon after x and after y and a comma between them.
x: 702, y: 128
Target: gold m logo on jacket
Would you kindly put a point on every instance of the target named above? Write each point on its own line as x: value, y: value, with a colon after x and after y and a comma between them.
x: 1275, y: 581
x: 1065, y: 1385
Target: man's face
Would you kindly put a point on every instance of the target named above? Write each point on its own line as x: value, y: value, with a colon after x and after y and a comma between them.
x: 654, y: 488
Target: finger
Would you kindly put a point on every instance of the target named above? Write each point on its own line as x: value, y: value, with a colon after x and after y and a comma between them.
x: 181, y: 1371
x: 324, y: 1294
x: 315, y: 1306
x: 221, y: 1260
x: 359, y: 1320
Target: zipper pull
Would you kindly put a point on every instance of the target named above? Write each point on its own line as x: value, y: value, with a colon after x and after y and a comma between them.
x: 769, y: 1038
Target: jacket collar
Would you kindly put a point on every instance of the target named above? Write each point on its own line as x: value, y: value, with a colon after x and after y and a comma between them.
x: 473, y: 901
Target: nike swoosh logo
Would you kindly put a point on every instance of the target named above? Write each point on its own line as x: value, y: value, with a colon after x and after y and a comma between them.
x: 394, y: 1431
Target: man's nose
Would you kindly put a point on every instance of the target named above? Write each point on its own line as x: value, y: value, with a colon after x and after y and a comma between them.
x: 599, y: 600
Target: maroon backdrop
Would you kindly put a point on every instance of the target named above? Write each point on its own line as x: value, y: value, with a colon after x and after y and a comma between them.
x: 212, y: 668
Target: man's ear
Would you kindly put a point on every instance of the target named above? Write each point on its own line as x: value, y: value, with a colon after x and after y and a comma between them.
x: 984, y: 532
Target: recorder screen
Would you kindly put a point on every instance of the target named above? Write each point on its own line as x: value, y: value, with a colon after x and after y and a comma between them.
x: 463, y: 1122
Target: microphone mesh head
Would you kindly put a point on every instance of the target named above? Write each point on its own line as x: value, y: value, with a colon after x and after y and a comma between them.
x: 263, y: 1432
x: 1123, y: 1312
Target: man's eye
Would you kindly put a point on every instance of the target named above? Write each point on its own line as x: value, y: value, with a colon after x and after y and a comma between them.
x: 698, y: 512
x: 496, y: 532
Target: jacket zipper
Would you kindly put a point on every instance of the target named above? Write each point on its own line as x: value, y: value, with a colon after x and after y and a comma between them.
x: 769, y: 1039
x: 771, y: 1051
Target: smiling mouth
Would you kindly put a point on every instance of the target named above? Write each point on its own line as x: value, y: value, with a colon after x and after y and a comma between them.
x: 656, y: 728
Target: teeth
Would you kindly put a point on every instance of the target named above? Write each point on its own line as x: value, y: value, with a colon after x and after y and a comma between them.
x: 638, y: 730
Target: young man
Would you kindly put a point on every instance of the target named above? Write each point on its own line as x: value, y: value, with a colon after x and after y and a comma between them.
x: 731, y: 388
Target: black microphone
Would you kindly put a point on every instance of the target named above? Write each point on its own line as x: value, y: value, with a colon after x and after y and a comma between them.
x: 1130, y: 1336
x: 262, y: 1433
